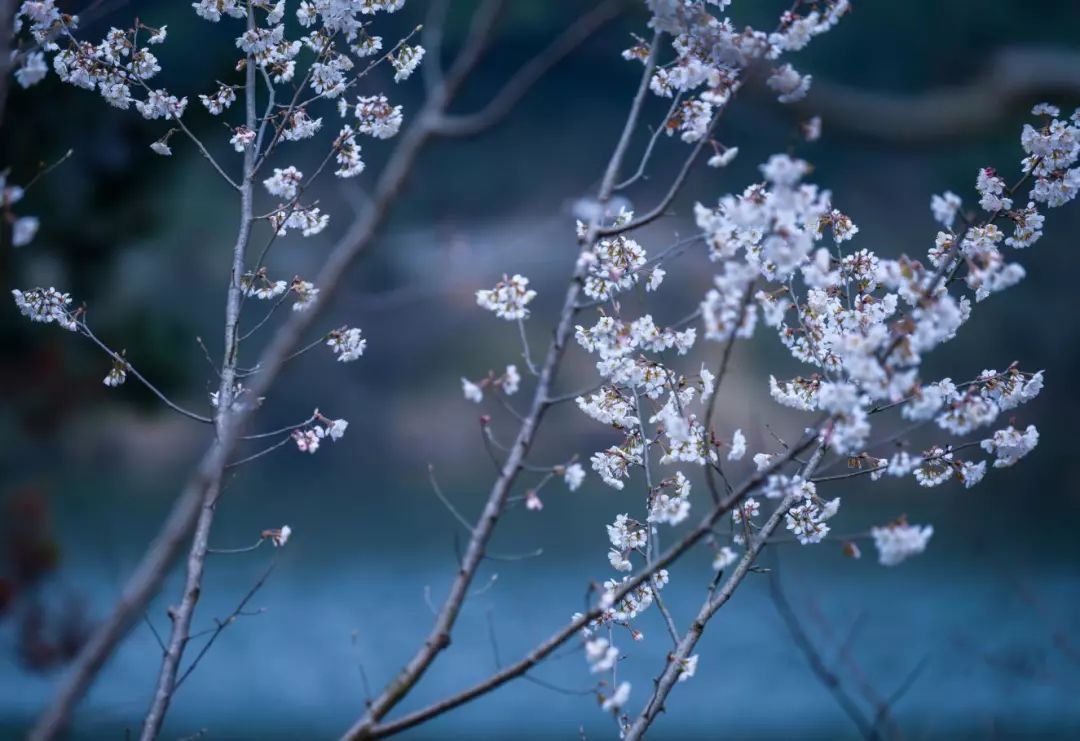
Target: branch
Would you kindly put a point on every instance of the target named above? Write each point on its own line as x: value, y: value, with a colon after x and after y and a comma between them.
x: 712, y: 604
x: 432, y: 38
x: 548, y: 646
x: 640, y: 173
x: 518, y: 85
x: 183, y: 613
x: 1013, y: 77
x: 85, y: 329
x: 721, y: 372
x: 223, y: 624
x: 661, y: 207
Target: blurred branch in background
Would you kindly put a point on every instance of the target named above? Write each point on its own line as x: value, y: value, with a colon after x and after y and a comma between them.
x: 1012, y: 78
x: 515, y: 88
x: 828, y: 677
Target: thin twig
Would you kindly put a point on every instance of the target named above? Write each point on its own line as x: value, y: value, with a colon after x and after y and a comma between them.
x: 446, y: 502
x: 260, y: 454
x: 223, y: 624
x: 85, y: 330
x: 649, y: 147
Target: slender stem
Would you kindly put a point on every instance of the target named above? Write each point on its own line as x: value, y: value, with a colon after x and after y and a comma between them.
x: 652, y: 541
x: 234, y: 551
x: 282, y: 430
x: 183, y: 613
x: 525, y: 352
x: 256, y: 456
x: 721, y: 373
x: 446, y: 501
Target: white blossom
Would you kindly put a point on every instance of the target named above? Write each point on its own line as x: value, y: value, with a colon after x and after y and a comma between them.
x: 724, y: 558
x: 508, y: 298
x: 284, y: 183
x: 307, y: 441
x: 346, y: 343
x: 601, y: 655
x: 899, y: 541
x: 573, y: 475
x: 116, y: 375
x: 45, y: 305
x: 618, y: 698
x: 725, y: 158
x: 406, y: 61
x: 511, y: 380
x: 687, y: 667
x: 24, y: 230
x: 1010, y: 445
x: 472, y: 391
x: 280, y: 536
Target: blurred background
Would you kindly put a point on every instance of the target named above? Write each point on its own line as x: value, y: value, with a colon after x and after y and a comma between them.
x: 977, y: 638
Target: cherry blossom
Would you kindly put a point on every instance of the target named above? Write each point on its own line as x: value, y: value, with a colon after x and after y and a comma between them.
x: 899, y: 541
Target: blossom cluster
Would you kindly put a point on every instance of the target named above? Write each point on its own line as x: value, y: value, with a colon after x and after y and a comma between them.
x: 508, y: 299
x: 46, y: 305
x: 862, y: 322
x: 308, y: 437
x: 323, y: 64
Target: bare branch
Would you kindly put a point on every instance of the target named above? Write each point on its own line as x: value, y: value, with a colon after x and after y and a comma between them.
x: 661, y: 207
x: 446, y: 501
x: 640, y: 173
x: 433, y: 34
